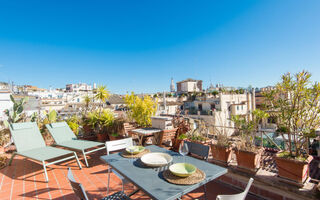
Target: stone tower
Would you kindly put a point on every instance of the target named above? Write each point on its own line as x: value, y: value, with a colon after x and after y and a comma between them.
x: 172, y: 89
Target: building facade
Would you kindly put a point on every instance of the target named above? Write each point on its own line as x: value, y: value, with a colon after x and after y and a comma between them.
x: 189, y: 85
x: 217, y: 110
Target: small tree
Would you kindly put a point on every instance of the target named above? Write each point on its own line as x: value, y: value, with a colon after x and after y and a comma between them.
x: 141, y: 110
x: 102, y: 94
x: 295, y: 104
x: 87, y: 101
x: 215, y: 93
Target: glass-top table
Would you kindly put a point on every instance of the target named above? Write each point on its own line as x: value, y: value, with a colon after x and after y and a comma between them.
x: 151, y: 181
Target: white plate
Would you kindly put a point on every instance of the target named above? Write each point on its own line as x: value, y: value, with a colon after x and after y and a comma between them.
x: 156, y: 159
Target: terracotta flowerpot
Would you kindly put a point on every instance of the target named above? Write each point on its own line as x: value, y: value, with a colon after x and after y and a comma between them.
x: 294, y: 170
x: 87, y: 129
x: 102, y: 137
x: 115, y: 137
x: 248, y: 160
x: 221, y: 153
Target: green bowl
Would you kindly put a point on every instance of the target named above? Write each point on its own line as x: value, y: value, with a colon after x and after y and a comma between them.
x: 135, y: 149
x: 182, y: 169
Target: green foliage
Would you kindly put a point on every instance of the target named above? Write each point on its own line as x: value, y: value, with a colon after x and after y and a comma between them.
x: 100, y: 121
x: 215, y: 93
x: 73, y: 123
x: 295, y: 104
x: 34, y: 117
x: 16, y: 115
x: 197, y: 138
x: 182, y: 136
x: 102, y: 94
x: 87, y: 100
x: 50, y: 117
x: 106, y: 118
x: 141, y: 110
x: 247, y: 128
x: 115, y: 134
x: 286, y: 154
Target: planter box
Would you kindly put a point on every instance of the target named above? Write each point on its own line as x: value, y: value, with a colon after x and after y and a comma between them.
x: 207, y: 142
x: 87, y: 129
x: 294, y: 170
x: 111, y: 138
x: 221, y: 154
x: 102, y: 137
x: 248, y: 160
x: 89, y: 138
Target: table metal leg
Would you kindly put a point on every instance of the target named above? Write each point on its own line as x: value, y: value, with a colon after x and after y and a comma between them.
x: 133, y: 193
x: 140, y: 138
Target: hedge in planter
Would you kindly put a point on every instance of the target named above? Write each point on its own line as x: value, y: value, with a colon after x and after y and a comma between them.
x: 248, y: 155
x: 221, y: 150
x: 295, y: 104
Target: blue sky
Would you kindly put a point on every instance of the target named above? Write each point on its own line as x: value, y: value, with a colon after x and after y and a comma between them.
x: 139, y: 45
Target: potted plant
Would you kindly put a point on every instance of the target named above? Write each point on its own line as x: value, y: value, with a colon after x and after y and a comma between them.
x: 248, y: 155
x: 73, y: 123
x: 114, y: 136
x: 178, y: 141
x: 221, y: 148
x: 182, y: 127
x: 4, y: 139
x: 295, y: 104
x: 199, y: 139
x: 93, y: 120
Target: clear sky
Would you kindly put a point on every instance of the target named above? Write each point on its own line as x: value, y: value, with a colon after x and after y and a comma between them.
x: 137, y: 45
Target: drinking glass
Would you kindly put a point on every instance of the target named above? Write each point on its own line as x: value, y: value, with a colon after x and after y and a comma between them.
x: 183, y: 150
x: 132, y: 150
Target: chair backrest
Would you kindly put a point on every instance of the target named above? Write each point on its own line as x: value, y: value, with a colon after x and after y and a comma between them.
x: 198, y: 149
x: 240, y: 196
x: 116, y: 145
x: 128, y: 128
x: 77, y: 188
x: 245, y: 192
x: 26, y: 136
x: 61, y: 132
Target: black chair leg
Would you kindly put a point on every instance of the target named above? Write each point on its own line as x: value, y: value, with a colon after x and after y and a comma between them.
x: 205, y: 191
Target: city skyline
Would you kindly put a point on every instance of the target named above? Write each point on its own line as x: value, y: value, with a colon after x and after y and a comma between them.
x: 140, y: 46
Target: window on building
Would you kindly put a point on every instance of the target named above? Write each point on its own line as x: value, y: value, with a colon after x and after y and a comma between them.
x: 200, y: 107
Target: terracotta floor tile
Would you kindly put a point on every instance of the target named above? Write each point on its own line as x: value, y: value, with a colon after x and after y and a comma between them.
x: 29, y: 181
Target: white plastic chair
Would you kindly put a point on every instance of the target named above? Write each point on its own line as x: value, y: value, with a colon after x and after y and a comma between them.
x: 240, y: 196
x: 115, y: 146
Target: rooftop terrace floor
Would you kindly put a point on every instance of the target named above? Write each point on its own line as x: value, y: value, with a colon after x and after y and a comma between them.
x: 24, y: 179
